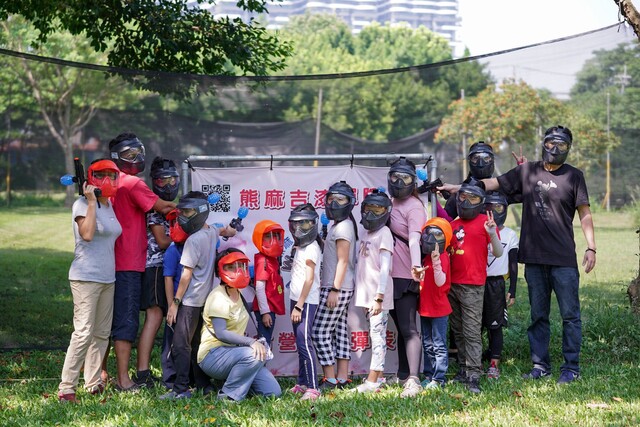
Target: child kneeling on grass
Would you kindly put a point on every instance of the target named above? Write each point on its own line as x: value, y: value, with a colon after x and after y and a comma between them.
x: 434, y: 307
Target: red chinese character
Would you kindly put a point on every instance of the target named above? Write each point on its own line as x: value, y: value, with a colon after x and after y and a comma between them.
x: 366, y: 192
x: 391, y: 340
x: 287, y: 342
x: 250, y: 199
x: 298, y: 197
x: 318, y: 198
x: 360, y: 340
x: 274, y: 199
x: 355, y: 193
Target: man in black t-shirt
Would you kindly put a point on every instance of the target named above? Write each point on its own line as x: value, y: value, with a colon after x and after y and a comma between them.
x: 551, y: 192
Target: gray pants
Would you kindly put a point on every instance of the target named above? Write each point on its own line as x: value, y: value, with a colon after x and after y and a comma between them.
x: 466, y: 324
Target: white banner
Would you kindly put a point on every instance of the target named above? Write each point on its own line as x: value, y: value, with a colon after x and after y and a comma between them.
x: 271, y: 194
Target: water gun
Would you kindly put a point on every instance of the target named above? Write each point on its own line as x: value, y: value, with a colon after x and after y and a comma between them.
x: 79, y: 178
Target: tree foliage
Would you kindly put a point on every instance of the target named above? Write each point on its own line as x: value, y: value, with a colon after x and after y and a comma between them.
x: 516, y: 115
x: 615, y: 73
x: 67, y: 98
x: 160, y: 35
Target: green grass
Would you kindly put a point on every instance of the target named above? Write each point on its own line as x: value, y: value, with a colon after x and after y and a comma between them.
x: 36, y: 249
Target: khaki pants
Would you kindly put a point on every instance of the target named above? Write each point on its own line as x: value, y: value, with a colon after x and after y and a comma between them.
x: 92, y: 315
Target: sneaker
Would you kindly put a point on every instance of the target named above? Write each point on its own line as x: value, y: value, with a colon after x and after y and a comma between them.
x: 145, y: 379
x: 433, y: 385
x: 325, y: 385
x: 298, y: 389
x: 472, y: 385
x: 412, y: 388
x: 96, y: 389
x: 394, y: 380
x: 535, y: 374
x: 134, y: 388
x: 310, y: 394
x: 493, y: 372
x: 367, y: 387
x: 344, y: 384
x: 425, y: 382
x: 172, y: 395
x: 567, y: 376
x: 67, y: 397
x: 222, y: 396
x: 460, y: 377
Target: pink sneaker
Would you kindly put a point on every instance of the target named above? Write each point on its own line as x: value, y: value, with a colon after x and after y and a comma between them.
x: 310, y: 394
x: 298, y: 389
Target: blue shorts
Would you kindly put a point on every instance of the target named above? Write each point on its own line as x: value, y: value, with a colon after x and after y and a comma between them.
x: 126, y: 305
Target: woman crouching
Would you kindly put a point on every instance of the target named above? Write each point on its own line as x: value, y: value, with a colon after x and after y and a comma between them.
x: 225, y: 353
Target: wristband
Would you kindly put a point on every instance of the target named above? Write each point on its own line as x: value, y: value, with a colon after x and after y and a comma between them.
x: 297, y: 308
x: 589, y: 249
x: 334, y: 289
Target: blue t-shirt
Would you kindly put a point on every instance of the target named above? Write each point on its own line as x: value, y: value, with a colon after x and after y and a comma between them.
x: 171, y: 266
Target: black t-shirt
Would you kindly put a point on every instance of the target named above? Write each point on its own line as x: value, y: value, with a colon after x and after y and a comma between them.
x: 549, y: 203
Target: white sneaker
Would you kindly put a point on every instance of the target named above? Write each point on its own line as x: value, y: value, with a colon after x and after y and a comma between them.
x: 367, y: 387
x: 412, y: 388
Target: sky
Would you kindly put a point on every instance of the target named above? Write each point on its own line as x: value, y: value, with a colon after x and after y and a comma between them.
x: 494, y: 25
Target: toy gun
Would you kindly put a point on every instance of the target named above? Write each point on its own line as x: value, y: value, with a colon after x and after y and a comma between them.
x: 237, y: 222
x: 430, y: 186
x: 324, y: 219
x: 79, y: 178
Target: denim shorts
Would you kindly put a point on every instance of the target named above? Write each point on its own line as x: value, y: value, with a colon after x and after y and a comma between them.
x: 126, y: 305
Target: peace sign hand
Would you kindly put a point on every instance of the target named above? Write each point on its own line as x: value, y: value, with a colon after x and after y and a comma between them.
x: 490, y: 224
x: 519, y: 159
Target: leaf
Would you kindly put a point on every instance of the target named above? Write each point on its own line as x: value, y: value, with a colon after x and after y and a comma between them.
x: 593, y: 405
x: 339, y: 415
x: 517, y: 393
x: 617, y: 399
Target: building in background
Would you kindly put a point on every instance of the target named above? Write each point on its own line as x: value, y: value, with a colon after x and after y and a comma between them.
x: 440, y: 16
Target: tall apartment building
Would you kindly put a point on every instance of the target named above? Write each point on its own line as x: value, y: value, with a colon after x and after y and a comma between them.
x: 440, y: 16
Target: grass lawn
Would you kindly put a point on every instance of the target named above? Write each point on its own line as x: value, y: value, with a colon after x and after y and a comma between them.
x: 36, y: 248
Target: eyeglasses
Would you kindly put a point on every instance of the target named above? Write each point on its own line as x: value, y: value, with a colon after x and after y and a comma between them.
x: 475, y: 158
x: 474, y: 199
x: 376, y: 209
x: 131, y: 154
x: 401, y: 176
x: 563, y: 146
x: 341, y: 199
x: 163, y: 182
x: 112, y: 175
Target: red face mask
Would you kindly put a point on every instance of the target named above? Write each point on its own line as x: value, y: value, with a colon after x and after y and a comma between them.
x: 103, y: 174
x: 273, y: 243
x: 176, y: 233
x: 233, y: 269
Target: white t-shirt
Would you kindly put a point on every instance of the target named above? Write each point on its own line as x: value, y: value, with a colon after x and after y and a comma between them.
x: 95, y: 261
x: 341, y: 231
x: 500, y: 266
x: 299, y: 273
x: 368, y: 268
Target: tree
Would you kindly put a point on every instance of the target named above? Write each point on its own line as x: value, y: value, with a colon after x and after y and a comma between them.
x: 615, y: 74
x: 161, y: 35
x: 67, y: 98
x: 630, y: 13
x: 516, y: 114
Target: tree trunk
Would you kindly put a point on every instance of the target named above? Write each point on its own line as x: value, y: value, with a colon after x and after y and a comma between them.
x: 631, y: 15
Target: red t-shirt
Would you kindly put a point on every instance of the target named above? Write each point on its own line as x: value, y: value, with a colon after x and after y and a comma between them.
x: 131, y: 203
x: 470, y: 250
x: 433, y: 299
x: 267, y: 269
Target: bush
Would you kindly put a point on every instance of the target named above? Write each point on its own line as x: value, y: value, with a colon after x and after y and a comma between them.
x: 32, y: 199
